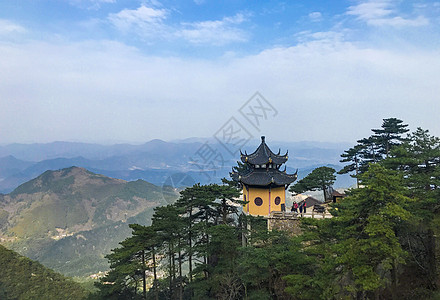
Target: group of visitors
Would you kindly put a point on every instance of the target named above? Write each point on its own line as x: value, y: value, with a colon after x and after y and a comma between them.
x: 302, y: 207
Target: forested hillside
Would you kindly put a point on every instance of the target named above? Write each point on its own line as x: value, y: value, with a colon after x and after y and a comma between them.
x: 22, y: 278
x: 68, y: 219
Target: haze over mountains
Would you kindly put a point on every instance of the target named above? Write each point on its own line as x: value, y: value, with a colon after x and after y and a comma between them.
x: 154, y: 161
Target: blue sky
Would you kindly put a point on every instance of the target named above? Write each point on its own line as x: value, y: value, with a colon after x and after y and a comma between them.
x: 131, y: 71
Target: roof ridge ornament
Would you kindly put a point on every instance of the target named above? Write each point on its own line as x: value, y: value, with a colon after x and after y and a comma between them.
x: 263, y: 138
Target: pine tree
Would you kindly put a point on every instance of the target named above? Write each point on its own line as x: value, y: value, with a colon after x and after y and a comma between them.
x: 189, y: 200
x: 169, y: 225
x: 126, y: 273
x: 352, y: 155
x: 321, y: 178
x: 359, y: 249
x: 228, y: 200
x: 390, y: 134
x: 372, y: 244
x: 374, y: 148
x: 419, y: 160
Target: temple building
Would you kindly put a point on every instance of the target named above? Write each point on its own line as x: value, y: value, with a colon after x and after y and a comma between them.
x: 264, y: 184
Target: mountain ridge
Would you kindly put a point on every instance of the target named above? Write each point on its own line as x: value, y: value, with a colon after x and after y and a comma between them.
x: 61, y: 209
x: 154, y: 161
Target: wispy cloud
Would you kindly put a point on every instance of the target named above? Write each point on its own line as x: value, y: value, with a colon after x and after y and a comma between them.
x: 145, y: 21
x: 383, y: 12
x: 7, y: 27
x: 148, y: 21
x: 315, y: 16
x: 217, y: 32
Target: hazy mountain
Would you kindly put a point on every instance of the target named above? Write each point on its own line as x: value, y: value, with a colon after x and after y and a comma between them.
x: 22, y: 278
x: 68, y: 219
x: 9, y: 165
x: 38, y: 152
x: 157, y: 160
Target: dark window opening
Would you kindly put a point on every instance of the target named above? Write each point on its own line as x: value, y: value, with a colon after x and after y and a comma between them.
x: 258, y: 201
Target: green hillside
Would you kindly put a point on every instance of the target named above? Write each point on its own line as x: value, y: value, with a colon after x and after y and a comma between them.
x: 70, y: 218
x: 22, y: 278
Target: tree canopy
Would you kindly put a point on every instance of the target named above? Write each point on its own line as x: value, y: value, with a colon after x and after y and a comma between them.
x: 321, y: 178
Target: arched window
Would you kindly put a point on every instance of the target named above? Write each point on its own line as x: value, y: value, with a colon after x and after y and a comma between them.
x: 277, y: 201
x: 258, y: 201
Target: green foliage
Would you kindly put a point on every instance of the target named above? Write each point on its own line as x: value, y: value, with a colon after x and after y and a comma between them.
x: 418, y: 158
x: 358, y: 249
x: 266, y: 262
x: 375, y: 147
x: 87, y: 283
x: 22, y: 278
x: 319, y: 179
x: 240, y: 168
x: 372, y: 246
x: 390, y: 134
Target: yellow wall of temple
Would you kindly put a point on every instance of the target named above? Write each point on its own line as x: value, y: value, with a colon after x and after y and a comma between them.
x: 268, y: 197
x: 274, y: 193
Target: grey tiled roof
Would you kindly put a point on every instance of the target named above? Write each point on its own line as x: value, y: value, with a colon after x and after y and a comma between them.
x: 266, y: 177
x: 264, y: 155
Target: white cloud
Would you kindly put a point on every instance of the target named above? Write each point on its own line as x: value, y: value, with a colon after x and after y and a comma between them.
x: 371, y: 10
x: 105, y: 90
x: 383, y: 12
x: 217, y: 32
x: 315, y: 16
x: 151, y: 22
x: 145, y: 21
x: 400, y: 22
x: 7, y: 27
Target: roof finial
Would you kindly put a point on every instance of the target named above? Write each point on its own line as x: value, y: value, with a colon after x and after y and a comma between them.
x: 263, y: 138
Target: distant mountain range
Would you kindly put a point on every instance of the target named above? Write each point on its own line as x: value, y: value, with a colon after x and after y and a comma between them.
x: 203, y: 160
x: 70, y: 218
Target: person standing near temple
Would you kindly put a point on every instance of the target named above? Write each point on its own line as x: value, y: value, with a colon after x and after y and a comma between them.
x: 301, y: 208
x: 305, y: 206
x: 295, y: 207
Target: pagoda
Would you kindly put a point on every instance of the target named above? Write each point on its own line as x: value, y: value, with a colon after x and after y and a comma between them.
x: 264, y: 184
